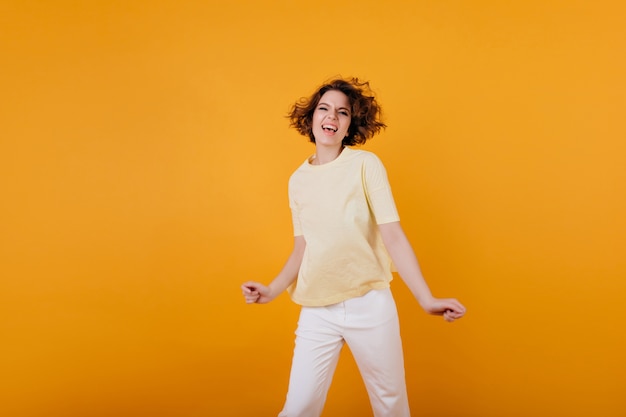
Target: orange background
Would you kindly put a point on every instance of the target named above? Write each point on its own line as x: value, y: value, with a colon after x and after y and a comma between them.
x: 144, y: 165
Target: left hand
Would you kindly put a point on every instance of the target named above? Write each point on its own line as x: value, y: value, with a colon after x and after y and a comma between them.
x: 450, y: 308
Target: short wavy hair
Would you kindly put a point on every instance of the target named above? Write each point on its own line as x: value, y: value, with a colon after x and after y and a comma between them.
x: 365, y: 111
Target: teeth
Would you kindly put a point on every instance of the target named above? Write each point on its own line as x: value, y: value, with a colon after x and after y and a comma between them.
x: 334, y: 129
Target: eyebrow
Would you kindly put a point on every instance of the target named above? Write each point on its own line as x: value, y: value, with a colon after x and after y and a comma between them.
x: 326, y: 104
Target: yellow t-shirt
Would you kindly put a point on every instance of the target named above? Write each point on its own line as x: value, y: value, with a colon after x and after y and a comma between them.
x: 336, y: 207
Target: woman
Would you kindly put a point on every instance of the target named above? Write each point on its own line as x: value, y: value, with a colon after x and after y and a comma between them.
x: 347, y: 239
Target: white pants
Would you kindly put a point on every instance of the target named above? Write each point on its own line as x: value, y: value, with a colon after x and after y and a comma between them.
x: 369, y: 325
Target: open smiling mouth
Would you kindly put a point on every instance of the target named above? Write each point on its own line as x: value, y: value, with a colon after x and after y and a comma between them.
x: 329, y: 128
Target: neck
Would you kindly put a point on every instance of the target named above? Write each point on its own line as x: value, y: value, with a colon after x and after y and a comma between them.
x: 325, y: 155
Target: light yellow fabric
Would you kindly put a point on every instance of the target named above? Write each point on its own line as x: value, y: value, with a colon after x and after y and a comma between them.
x: 336, y: 207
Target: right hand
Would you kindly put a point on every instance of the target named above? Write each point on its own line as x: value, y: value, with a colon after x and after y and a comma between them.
x: 255, y: 292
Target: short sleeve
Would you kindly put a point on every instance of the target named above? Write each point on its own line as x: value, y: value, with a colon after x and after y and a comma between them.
x: 295, y: 217
x: 378, y: 191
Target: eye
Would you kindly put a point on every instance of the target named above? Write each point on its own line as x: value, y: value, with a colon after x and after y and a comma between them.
x: 322, y: 108
x: 344, y: 112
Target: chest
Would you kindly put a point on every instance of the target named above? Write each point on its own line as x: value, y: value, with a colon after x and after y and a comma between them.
x: 329, y: 195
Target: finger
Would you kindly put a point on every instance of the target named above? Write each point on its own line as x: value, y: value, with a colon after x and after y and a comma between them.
x: 251, y: 299
x: 460, y: 309
x: 251, y: 285
x: 248, y: 287
x: 450, y: 316
x: 248, y: 293
x: 455, y: 306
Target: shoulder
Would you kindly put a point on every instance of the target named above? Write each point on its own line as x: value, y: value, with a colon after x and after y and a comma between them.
x: 365, y: 156
x: 367, y: 159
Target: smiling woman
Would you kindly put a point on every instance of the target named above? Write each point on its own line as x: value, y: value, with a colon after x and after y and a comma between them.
x: 345, y: 227
x: 360, y: 104
x: 330, y: 124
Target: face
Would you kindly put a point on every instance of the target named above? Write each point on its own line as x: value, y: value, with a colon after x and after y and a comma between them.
x: 331, y: 119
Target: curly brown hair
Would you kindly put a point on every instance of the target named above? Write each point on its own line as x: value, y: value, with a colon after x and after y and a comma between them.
x: 365, y: 111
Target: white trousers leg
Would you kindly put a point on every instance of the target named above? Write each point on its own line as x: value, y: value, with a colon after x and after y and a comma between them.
x: 369, y: 325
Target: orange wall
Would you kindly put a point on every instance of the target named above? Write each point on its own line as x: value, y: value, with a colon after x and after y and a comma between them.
x: 143, y: 173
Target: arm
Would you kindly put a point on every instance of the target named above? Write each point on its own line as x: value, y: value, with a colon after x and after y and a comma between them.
x: 255, y: 292
x: 409, y: 270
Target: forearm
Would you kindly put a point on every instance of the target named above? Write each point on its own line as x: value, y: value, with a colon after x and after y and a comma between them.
x: 285, y: 277
x: 289, y: 272
x: 406, y: 262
